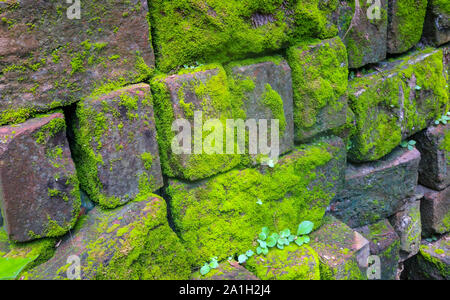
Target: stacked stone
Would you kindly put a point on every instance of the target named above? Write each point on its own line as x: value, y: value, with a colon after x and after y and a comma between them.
x: 82, y: 101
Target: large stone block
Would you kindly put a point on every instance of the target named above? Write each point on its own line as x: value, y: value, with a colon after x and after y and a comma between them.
x: 115, y: 146
x: 434, y: 146
x: 291, y: 263
x: 432, y: 262
x: 406, y: 18
x: 131, y: 242
x: 320, y: 78
x: 222, y: 216
x: 343, y: 253
x: 402, y: 98
x: 178, y: 97
x: 367, y: 35
x: 407, y: 223
x: 186, y: 31
x: 48, y: 60
x: 376, y: 190
x: 39, y: 186
x: 437, y: 22
x: 265, y: 87
x: 435, y: 211
x: 385, y: 243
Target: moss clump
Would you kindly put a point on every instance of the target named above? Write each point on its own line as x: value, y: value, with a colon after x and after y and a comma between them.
x: 291, y: 263
x: 213, y: 30
x: 273, y: 100
x: 396, y: 103
x: 50, y: 129
x: 221, y: 217
x: 319, y: 77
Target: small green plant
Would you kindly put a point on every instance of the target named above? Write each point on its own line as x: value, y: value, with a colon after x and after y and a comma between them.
x: 259, y: 202
x: 443, y: 119
x: 408, y: 144
x: 213, y: 264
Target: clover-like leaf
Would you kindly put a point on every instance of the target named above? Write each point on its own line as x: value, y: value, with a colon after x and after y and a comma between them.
x: 279, y: 246
x: 305, y: 228
x: 271, y: 242
x: 259, y: 250
x: 265, y: 251
x: 213, y: 264
x: 291, y: 238
x: 262, y: 244
x: 265, y: 230
x: 299, y: 241
x: 242, y: 258
x: 259, y: 202
x: 205, y: 269
x: 262, y: 236
x: 249, y: 253
x: 306, y: 239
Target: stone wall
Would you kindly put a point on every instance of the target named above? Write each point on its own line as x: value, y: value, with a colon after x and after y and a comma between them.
x: 87, y: 167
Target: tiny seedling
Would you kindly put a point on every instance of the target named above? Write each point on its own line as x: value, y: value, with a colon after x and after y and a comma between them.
x: 207, y: 267
x: 443, y: 119
x: 408, y: 144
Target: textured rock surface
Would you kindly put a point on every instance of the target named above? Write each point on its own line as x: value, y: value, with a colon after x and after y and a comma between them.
x: 341, y: 250
x: 437, y: 22
x: 435, y: 211
x: 185, y: 32
x: 407, y: 223
x: 178, y: 97
x: 48, y: 60
x: 376, y: 190
x: 39, y: 187
x: 434, y: 146
x: 432, y: 262
x: 401, y: 99
x: 384, y: 242
x: 229, y: 270
x: 291, y: 263
x: 260, y: 101
x: 115, y: 146
x: 132, y: 242
x: 221, y: 216
x: 406, y: 18
x: 367, y: 35
x: 320, y: 78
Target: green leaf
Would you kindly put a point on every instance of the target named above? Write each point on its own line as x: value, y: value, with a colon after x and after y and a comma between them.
x: 265, y: 251
x: 262, y: 236
x: 259, y: 202
x: 412, y: 142
x: 242, y: 258
x: 10, y: 268
x: 213, y: 264
x: 249, y: 253
x: 262, y: 244
x: 305, y: 228
x: 271, y: 163
x: 265, y: 230
x: 291, y: 238
x: 281, y: 247
x: 285, y: 233
x: 299, y: 241
x: 306, y: 239
x: 271, y: 242
x: 418, y: 88
x: 205, y: 269
x: 259, y: 250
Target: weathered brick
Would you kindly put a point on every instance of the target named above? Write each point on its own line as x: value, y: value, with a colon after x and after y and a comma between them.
x: 39, y: 186
x: 437, y: 22
x: 435, y: 211
x: 115, y: 146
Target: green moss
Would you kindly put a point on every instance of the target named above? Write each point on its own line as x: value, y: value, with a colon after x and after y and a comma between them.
x: 442, y: 5
x: 223, y: 31
x: 387, y: 107
x: 273, y: 100
x: 49, y: 130
x: 147, y: 159
x: 221, y: 217
x: 291, y: 263
x: 319, y: 79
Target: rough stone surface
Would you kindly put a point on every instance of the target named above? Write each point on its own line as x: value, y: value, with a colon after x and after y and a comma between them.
x: 384, y: 242
x: 320, y: 77
x: 221, y: 216
x: 432, y: 262
x: 39, y: 187
x: 343, y: 252
x: 48, y: 60
x: 185, y: 32
x: 434, y: 146
x: 407, y: 223
x: 291, y: 263
x: 435, y: 211
x: 256, y: 102
x: 115, y: 147
x: 374, y: 191
x: 366, y: 37
x: 406, y: 18
x: 229, y: 270
x: 437, y: 22
x: 404, y: 97
x: 179, y: 96
x: 132, y: 242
